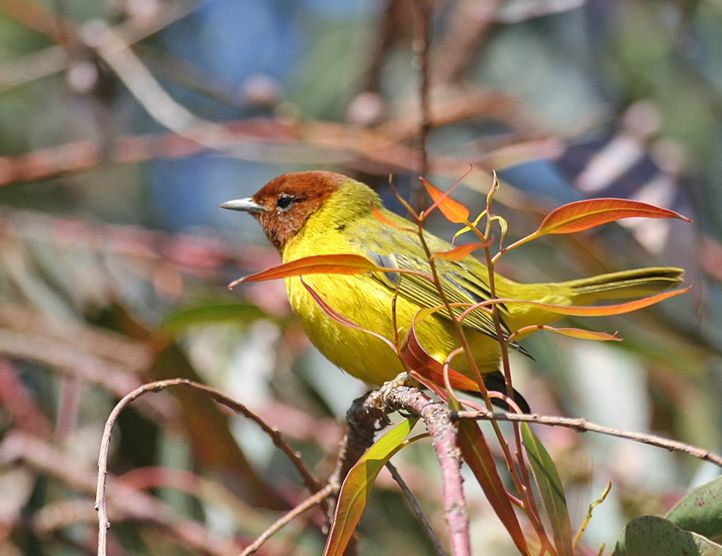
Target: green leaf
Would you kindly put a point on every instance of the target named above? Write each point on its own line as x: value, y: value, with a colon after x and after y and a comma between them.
x: 211, y: 312
x: 701, y: 510
x: 478, y: 456
x: 551, y: 490
x: 357, y: 486
x: 650, y: 535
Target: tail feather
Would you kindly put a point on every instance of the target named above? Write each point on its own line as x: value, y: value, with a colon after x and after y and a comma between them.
x: 624, y: 284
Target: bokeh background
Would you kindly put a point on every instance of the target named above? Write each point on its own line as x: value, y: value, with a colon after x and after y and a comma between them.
x: 125, y: 123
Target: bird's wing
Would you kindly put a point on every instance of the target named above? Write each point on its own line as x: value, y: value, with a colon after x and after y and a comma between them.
x: 463, y: 281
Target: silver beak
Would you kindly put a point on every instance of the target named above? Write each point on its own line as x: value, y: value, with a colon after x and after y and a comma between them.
x: 244, y: 205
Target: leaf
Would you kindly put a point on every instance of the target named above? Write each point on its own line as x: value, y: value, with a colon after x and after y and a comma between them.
x: 650, y: 535
x: 454, y: 211
x: 600, y: 310
x: 211, y: 312
x: 457, y: 253
x: 551, y: 490
x: 326, y: 308
x: 700, y: 510
x: 418, y: 359
x: 578, y: 333
x: 386, y: 222
x: 583, y: 215
x: 477, y: 455
x: 315, y: 264
x: 357, y: 486
x: 465, y: 229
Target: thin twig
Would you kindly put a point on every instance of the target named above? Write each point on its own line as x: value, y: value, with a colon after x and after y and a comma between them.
x: 582, y: 425
x: 416, y: 508
x: 100, y: 498
x: 437, y: 418
x: 314, y: 500
x: 421, y: 47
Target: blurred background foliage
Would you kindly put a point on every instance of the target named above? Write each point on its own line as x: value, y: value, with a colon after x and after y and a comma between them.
x: 125, y: 123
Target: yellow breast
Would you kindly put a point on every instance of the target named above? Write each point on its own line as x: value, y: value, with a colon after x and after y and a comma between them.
x: 368, y: 303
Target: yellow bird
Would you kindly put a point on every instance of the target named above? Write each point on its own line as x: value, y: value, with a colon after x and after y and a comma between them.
x: 317, y: 213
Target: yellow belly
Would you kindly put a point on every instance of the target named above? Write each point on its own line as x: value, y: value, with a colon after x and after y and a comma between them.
x: 368, y: 303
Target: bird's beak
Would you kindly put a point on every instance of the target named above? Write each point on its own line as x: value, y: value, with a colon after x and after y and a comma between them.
x: 244, y: 205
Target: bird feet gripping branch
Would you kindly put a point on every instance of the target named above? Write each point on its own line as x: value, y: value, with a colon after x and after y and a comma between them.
x: 381, y: 396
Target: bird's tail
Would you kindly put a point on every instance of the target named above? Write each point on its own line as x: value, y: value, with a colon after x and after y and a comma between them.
x: 623, y: 285
x: 587, y: 291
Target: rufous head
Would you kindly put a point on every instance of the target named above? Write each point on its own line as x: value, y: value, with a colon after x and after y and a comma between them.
x: 283, y: 205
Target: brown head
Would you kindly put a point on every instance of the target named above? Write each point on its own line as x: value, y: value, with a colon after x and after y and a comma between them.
x: 283, y: 205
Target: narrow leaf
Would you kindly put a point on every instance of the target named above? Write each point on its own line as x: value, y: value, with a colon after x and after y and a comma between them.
x: 385, y: 221
x: 210, y: 312
x: 326, y: 308
x: 477, y: 455
x: 578, y: 333
x: 315, y: 264
x: 418, y: 359
x: 357, y: 486
x: 600, y: 310
x: 457, y: 253
x: 582, y: 215
x: 551, y: 490
x: 453, y: 210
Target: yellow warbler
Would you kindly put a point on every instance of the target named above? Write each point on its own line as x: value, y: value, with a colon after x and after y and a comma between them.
x: 319, y: 213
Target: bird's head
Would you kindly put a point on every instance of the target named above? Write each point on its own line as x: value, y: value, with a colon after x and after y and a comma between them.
x: 283, y: 205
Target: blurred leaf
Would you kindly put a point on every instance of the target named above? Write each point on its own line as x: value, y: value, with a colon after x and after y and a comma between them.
x: 208, y: 430
x: 700, y: 510
x: 454, y: 211
x: 551, y: 490
x: 357, y: 486
x: 211, y: 312
x: 478, y: 456
x: 655, y: 536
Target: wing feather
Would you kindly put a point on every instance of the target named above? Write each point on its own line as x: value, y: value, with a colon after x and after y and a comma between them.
x: 462, y: 280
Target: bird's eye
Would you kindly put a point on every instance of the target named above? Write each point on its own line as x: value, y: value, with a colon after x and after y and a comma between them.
x: 284, y: 202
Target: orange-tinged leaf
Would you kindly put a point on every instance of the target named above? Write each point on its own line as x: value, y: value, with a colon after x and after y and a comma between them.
x: 454, y: 211
x: 578, y: 333
x: 385, y: 221
x: 418, y: 359
x: 582, y: 215
x: 478, y: 456
x: 315, y: 264
x: 458, y: 253
x: 326, y: 308
x: 601, y: 310
x: 357, y: 486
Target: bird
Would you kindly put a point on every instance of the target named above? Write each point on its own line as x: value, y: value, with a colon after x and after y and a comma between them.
x: 326, y: 213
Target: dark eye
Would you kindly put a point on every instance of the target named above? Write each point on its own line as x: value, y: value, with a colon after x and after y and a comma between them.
x: 284, y: 202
